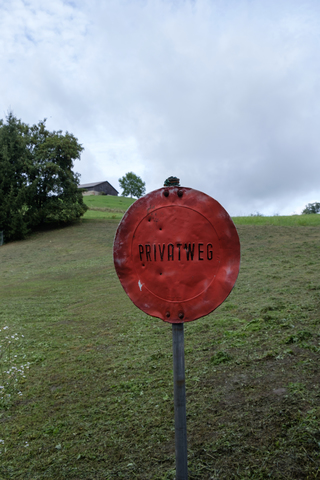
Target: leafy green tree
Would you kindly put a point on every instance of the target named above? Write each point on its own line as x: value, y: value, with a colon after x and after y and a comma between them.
x: 13, y: 179
x: 132, y: 185
x: 56, y: 197
x: 311, y: 208
x: 37, y: 184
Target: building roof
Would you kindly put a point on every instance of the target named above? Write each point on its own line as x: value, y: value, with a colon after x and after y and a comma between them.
x: 95, y: 184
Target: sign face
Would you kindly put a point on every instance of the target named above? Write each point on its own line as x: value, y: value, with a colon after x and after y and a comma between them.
x: 177, y: 254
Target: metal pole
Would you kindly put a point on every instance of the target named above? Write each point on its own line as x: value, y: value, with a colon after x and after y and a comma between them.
x: 180, y: 417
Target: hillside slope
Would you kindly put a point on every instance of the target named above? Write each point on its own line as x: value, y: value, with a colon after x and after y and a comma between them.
x: 97, y: 398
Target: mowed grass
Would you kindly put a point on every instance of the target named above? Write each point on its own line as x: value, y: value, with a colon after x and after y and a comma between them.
x: 283, y: 221
x: 97, y: 400
x: 106, y: 206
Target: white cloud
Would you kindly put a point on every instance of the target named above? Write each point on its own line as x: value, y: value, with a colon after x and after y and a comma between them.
x: 222, y: 94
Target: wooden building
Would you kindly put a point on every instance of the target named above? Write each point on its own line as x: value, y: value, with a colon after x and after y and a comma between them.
x: 98, y: 188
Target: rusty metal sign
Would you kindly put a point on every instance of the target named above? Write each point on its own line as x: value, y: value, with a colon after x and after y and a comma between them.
x: 177, y: 254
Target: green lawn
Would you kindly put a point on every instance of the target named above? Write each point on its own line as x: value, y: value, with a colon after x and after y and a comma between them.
x: 283, y: 221
x: 107, y: 206
x: 97, y: 399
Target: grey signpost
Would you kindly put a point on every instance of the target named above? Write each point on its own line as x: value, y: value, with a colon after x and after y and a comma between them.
x: 180, y: 416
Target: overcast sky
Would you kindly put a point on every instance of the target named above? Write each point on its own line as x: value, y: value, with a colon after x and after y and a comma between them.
x: 224, y: 94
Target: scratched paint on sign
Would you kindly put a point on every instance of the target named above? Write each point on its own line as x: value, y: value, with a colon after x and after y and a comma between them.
x: 183, y: 248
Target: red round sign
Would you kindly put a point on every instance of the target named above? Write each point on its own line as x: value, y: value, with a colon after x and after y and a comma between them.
x: 177, y: 254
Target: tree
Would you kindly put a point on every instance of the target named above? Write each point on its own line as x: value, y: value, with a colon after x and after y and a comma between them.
x: 132, y: 185
x: 13, y: 184
x: 311, y: 208
x: 37, y: 184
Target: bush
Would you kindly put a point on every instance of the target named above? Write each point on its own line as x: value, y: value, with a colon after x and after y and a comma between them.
x: 311, y: 208
x: 37, y: 184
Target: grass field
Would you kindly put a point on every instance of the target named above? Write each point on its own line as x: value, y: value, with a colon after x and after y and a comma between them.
x: 106, y: 206
x: 94, y: 399
x: 311, y: 220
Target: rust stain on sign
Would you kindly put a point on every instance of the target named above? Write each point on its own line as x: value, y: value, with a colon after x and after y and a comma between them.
x: 177, y: 254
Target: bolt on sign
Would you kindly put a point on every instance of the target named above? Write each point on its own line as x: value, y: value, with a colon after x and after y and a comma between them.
x: 177, y: 254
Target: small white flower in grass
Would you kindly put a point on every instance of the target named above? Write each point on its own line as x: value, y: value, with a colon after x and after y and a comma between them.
x: 1, y: 441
